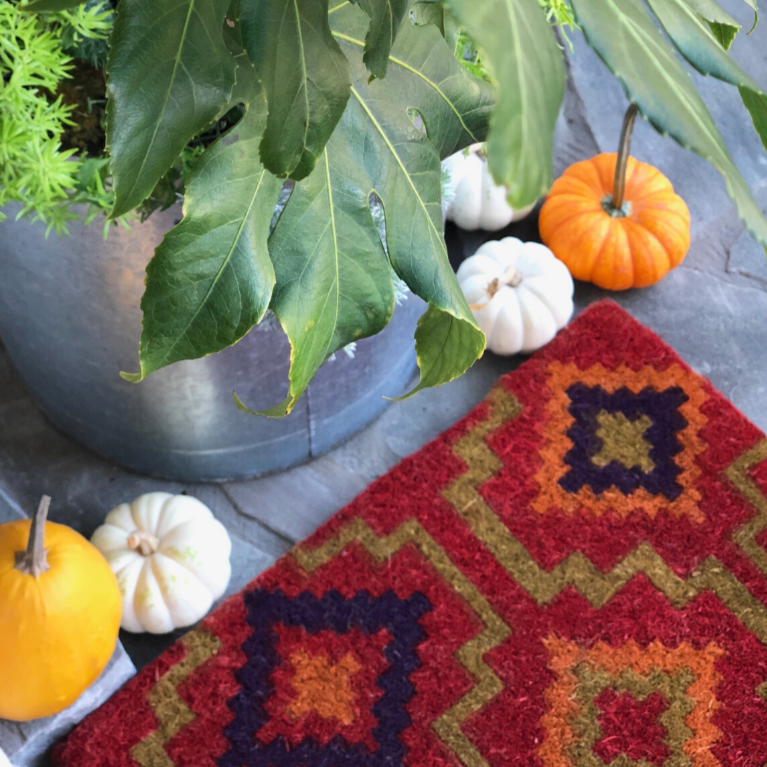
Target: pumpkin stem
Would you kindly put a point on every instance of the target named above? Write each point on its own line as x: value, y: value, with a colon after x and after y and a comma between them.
x: 145, y: 543
x: 509, y: 277
x: 619, y: 184
x: 34, y: 561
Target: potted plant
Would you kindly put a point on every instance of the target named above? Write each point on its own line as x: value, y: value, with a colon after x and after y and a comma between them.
x: 354, y: 102
x: 73, y: 329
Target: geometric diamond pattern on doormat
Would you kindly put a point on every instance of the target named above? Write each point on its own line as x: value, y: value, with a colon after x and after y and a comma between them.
x: 679, y: 683
x: 622, y: 441
x: 574, y: 575
x: 330, y: 695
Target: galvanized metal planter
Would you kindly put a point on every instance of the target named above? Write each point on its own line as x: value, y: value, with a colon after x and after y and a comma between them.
x: 70, y: 320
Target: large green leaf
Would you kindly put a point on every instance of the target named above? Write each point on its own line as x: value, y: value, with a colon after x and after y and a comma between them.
x: 521, y: 52
x: 423, y: 75
x: 325, y: 247
x: 756, y: 103
x: 431, y: 12
x: 334, y: 281
x: 211, y: 278
x: 403, y: 167
x: 305, y: 75
x: 625, y: 38
x: 385, y: 19
x: 170, y: 74
x: 724, y: 33
x: 700, y: 47
x: 723, y: 26
x: 697, y: 44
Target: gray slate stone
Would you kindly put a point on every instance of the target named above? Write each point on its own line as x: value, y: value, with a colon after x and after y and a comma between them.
x: 294, y: 503
x: 27, y: 743
x: 746, y: 259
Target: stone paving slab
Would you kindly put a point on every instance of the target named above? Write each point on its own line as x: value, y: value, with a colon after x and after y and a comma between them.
x: 296, y: 502
x: 746, y: 259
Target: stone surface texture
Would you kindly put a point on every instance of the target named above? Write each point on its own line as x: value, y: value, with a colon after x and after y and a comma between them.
x: 712, y: 310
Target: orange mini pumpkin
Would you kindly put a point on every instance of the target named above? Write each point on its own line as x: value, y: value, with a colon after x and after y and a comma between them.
x: 60, y: 609
x: 615, y: 221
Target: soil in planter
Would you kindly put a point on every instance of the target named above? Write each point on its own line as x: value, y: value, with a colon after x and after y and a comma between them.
x: 85, y: 91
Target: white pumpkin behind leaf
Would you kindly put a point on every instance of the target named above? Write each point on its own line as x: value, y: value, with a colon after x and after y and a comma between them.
x: 171, y: 559
x: 519, y: 293
x: 473, y: 199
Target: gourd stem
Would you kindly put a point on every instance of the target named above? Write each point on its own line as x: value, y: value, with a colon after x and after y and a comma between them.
x: 509, y: 277
x: 619, y: 184
x: 145, y: 543
x: 34, y: 561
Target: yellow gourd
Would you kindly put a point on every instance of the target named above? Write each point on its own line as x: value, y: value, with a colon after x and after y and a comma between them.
x: 60, y: 610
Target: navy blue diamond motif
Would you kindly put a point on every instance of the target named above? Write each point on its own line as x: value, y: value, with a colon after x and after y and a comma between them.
x: 331, y: 612
x: 662, y: 408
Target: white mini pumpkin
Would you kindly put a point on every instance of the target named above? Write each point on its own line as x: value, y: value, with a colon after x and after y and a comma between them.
x: 171, y: 559
x: 519, y: 293
x: 473, y: 199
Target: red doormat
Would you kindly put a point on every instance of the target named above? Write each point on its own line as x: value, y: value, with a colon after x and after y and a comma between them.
x: 574, y: 575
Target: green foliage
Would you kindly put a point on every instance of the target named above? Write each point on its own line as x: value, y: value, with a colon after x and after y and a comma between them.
x: 167, y: 82
x: 359, y: 100
x: 333, y: 279
x: 703, y: 46
x: 34, y: 170
x: 629, y: 43
x: 86, y: 37
x: 432, y: 12
x: 722, y: 25
x: 470, y: 57
x: 385, y: 18
x: 39, y: 6
x: 93, y: 188
x: 559, y: 13
x: 214, y: 266
x: 724, y: 33
x: 756, y: 103
x: 306, y: 79
x: 531, y: 81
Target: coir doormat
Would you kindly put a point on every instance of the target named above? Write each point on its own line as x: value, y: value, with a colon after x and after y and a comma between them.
x: 574, y: 575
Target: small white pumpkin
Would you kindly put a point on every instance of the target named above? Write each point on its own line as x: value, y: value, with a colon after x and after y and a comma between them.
x: 519, y: 293
x: 171, y: 559
x: 473, y: 199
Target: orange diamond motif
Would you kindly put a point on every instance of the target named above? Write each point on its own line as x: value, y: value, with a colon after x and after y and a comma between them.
x: 323, y: 687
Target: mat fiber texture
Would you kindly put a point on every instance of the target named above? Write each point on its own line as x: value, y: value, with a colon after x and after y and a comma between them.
x: 574, y: 575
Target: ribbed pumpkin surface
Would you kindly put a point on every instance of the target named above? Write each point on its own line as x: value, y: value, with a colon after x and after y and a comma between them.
x: 615, y: 252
